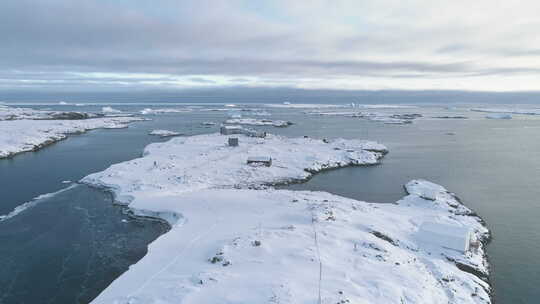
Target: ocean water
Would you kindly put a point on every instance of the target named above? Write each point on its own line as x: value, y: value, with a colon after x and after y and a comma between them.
x: 493, y: 165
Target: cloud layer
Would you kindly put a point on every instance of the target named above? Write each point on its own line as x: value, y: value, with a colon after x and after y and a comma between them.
x: 99, y: 44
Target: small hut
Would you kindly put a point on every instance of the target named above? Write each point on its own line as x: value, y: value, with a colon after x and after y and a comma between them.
x: 233, y: 141
x: 230, y: 130
x: 259, y: 161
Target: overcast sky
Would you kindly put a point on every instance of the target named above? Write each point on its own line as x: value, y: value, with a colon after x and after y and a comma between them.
x: 352, y: 45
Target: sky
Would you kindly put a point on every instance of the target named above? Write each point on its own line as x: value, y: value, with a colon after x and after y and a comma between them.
x: 104, y: 45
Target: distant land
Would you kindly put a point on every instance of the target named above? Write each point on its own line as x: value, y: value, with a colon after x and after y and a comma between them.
x: 273, y: 95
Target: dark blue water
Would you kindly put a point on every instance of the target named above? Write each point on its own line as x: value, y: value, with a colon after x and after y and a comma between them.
x: 491, y: 164
x: 69, y: 247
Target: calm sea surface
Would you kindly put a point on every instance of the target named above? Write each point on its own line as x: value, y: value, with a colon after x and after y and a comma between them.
x: 71, y: 245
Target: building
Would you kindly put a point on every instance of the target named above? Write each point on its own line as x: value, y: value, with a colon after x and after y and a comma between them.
x: 445, y: 235
x: 229, y: 130
x: 233, y: 141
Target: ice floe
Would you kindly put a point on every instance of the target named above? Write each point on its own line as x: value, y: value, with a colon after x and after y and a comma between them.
x: 236, y: 239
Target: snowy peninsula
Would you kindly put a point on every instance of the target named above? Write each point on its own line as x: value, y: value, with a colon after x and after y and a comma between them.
x: 234, y: 238
x: 29, y: 130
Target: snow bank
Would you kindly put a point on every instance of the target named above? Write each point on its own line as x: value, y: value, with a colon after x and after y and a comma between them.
x: 29, y: 135
x: 258, y: 122
x: 164, y: 133
x: 230, y: 243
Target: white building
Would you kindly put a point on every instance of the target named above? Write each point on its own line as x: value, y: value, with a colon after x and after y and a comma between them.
x: 445, y: 235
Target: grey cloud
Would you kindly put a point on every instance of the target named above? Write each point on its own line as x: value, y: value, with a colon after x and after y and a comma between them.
x: 43, y: 41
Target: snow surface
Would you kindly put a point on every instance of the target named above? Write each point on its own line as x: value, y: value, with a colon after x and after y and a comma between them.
x: 164, y: 133
x: 28, y: 135
x: 234, y: 239
x: 258, y: 122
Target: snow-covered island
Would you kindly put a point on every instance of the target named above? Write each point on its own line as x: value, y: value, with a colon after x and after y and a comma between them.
x: 149, y: 111
x: 386, y: 118
x: 258, y: 122
x: 236, y: 239
x: 508, y: 111
x: 12, y: 113
x: 25, y: 130
x: 164, y: 133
